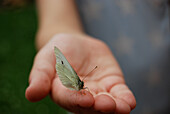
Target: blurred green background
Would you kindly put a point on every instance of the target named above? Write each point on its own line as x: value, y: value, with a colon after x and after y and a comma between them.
x: 17, y: 32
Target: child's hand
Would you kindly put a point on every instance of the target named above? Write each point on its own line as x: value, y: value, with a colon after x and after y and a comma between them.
x: 107, y: 89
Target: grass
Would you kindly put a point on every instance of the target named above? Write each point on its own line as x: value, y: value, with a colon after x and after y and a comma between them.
x: 17, y: 32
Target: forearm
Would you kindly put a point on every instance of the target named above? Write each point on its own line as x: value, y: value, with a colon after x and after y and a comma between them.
x: 56, y: 16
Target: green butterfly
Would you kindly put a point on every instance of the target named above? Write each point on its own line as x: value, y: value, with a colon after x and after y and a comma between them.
x: 66, y: 73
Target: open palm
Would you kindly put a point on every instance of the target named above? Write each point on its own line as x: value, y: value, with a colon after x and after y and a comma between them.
x: 107, y: 89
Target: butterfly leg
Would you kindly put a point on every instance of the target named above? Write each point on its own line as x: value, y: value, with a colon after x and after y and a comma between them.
x: 83, y: 92
x: 87, y: 88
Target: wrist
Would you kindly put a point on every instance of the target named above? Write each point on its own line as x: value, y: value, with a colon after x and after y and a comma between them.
x: 43, y: 36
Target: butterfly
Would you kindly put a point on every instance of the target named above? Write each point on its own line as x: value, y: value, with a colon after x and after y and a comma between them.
x: 66, y: 73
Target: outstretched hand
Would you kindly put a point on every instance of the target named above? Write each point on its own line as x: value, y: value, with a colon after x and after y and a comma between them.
x: 107, y: 89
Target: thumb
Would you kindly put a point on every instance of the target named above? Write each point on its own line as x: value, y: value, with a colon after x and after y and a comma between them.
x: 42, y: 73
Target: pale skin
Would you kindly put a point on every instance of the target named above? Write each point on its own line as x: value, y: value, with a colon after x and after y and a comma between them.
x: 60, y: 26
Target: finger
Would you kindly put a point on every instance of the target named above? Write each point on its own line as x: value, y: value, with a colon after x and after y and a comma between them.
x: 70, y: 99
x: 108, y: 82
x: 42, y: 73
x: 123, y: 97
x: 104, y: 103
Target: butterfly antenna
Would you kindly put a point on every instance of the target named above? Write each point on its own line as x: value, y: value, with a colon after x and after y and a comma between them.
x: 89, y: 73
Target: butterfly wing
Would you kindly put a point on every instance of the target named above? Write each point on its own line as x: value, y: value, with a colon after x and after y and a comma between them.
x: 65, y: 72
